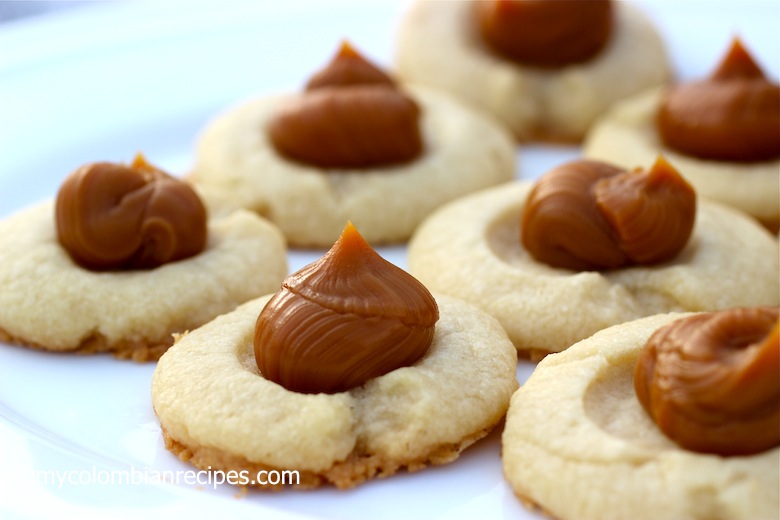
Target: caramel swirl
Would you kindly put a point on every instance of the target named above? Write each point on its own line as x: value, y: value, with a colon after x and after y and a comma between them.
x: 351, y: 115
x: 589, y: 215
x: 338, y: 322
x: 711, y: 381
x: 113, y: 216
x: 734, y: 115
x: 545, y: 33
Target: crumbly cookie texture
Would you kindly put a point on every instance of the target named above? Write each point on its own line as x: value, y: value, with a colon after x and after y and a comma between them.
x: 215, y: 409
x: 237, y: 166
x: 471, y: 249
x: 578, y: 444
x: 627, y: 136
x: 438, y: 45
x: 49, y: 302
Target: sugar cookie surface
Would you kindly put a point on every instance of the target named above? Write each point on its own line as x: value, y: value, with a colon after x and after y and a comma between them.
x: 237, y: 166
x: 48, y: 301
x: 438, y: 45
x: 217, y: 410
x: 578, y: 444
x: 471, y: 249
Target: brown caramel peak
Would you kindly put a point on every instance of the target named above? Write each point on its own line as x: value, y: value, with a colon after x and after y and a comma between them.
x: 113, y: 216
x: 348, y: 67
x: 351, y: 116
x: 732, y: 116
x: 589, y: 215
x: 345, y: 319
x: 711, y: 381
x: 738, y: 63
x: 652, y: 212
x: 545, y: 33
x: 141, y: 165
x: 353, y: 278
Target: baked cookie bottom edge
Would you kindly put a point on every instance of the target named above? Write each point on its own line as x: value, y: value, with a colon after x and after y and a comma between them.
x: 356, y: 469
x: 533, y: 506
x: 136, y: 350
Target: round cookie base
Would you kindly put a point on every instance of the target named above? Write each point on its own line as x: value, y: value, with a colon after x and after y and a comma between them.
x: 599, y: 456
x: 471, y: 249
x: 238, y: 166
x: 409, y: 418
x: 49, y: 303
x: 357, y: 468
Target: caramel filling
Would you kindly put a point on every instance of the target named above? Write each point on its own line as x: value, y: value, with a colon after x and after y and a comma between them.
x: 545, y: 33
x: 352, y: 115
x: 711, y: 382
x: 113, y: 216
x: 589, y: 215
x: 349, y: 68
x: 734, y: 115
x: 338, y: 322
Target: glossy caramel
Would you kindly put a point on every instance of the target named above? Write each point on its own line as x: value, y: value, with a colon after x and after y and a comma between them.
x: 589, y: 215
x: 352, y: 115
x: 114, y: 216
x: 734, y: 115
x: 348, y: 67
x: 545, y: 33
x: 345, y: 319
x: 711, y: 382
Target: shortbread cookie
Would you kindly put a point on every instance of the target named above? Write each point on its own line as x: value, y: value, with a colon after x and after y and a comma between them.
x: 578, y: 444
x: 471, y: 249
x: 627, y: 136
x: 48, y: 301
x: 237, y: 166
x: 217, y: 411
x: 439, y: 44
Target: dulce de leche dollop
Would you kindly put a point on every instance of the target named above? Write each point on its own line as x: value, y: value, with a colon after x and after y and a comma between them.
x: 338, y: 322
x: 352, y: 115
x: 734, y: 115
x: 711, y: 382
x: 114, y: 216
x: 545, y: 33
x: 590, y: 215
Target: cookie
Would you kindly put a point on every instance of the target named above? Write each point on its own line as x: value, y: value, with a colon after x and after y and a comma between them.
x: 471, y: 249
x: 48, y: 301
x: 310, y: 161
x: 439, y: 44
x: 577, y: 444
x: 217, y: 411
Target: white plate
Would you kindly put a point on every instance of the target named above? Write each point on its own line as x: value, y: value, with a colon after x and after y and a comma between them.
x: 101, y: 82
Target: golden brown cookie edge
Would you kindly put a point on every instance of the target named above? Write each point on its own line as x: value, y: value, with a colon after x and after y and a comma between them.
x: 357, y: 468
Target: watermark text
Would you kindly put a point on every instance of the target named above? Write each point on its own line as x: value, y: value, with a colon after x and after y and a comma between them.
x: 134, y: 476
